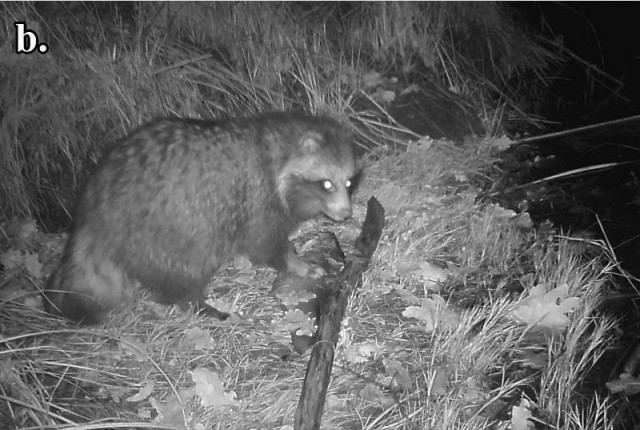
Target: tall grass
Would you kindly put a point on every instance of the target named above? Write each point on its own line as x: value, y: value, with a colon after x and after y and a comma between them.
x: 111, y: 67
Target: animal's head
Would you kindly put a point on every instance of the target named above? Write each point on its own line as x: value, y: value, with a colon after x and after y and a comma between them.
x: 321, y: 175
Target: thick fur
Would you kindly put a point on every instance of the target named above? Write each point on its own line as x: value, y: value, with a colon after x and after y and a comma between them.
x: 178, y: 198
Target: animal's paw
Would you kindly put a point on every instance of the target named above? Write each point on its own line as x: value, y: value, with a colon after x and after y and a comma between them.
x: 301, y: 342
x: 316, y: 272
x: 211, y: 312
x: 242, y: 263
x: 297, y: 267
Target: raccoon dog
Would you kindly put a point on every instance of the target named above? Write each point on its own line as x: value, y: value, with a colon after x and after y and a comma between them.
x: 178, y: 198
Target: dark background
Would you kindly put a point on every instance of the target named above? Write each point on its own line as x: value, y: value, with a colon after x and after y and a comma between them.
x: 606, y: 36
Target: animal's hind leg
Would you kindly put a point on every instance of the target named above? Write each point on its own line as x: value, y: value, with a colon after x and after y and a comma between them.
x: 86, y: 287
x: 192, y: 296
x: 208, y: 310
x: 183, y: 289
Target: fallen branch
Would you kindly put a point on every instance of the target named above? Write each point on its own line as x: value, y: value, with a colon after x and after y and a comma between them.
x: 314, y: 389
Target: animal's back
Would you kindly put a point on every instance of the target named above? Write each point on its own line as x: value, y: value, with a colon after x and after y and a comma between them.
x: 171, y: 201
x: 175, y: 200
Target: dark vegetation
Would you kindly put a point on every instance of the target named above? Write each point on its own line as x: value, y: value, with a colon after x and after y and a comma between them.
x: 112, y: 66
x: 470, y: 317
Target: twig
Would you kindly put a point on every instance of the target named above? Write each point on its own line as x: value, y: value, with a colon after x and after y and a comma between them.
x: 578, y: 129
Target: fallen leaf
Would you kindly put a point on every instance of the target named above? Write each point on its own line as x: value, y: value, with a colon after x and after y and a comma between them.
x: 501, y: 143
x: 369, y: 349
x: 501, y: 213
x: 413, y: 88
x: 433, y: 313
x: 371, y: 79
x: 33, y: 265
x: 170, y: 412
x: 546, y: 309
x: 520, y: 416
x: 523, y: 221
x: 115, y: 393
x: 144, y: 392
x: 384, y: 96
x: 294, y: 297
x: 433, y: 275
x: 535, y: 360
x: 361, y: 352
x: 407, y: 296
x: 334, y: 402
x: 33, y: 302
x: 133, y: 348
x: 460, y: 176
x: 439, y: 382
x: 223, y: 305
x: 12, y: 259
x: 295, y: 319
x: 627, y: 384
x: 210, y: 389
x: 199, y: 338
x: 144, y: 413
x: 15, y: 289
x: 473, y: 392
x: 372, y: 393
x: 399, y: 374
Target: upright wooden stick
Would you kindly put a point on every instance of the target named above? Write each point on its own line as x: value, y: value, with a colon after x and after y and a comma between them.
x: 314, y: 389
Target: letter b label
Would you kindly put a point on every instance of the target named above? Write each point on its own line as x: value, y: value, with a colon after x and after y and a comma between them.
x: 27, y: 40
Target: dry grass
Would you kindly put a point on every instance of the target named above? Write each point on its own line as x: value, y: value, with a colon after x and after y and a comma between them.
x: 466, y: 370
x: 111, y: 67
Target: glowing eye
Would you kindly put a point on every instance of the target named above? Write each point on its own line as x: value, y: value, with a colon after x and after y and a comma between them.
x: 327, y: 185
x: 348, y: 184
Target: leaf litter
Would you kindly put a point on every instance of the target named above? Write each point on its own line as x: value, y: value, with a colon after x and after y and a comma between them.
x: 439, y: 336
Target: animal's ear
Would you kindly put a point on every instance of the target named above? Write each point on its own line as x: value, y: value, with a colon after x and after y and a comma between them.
x: 310, y: 142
